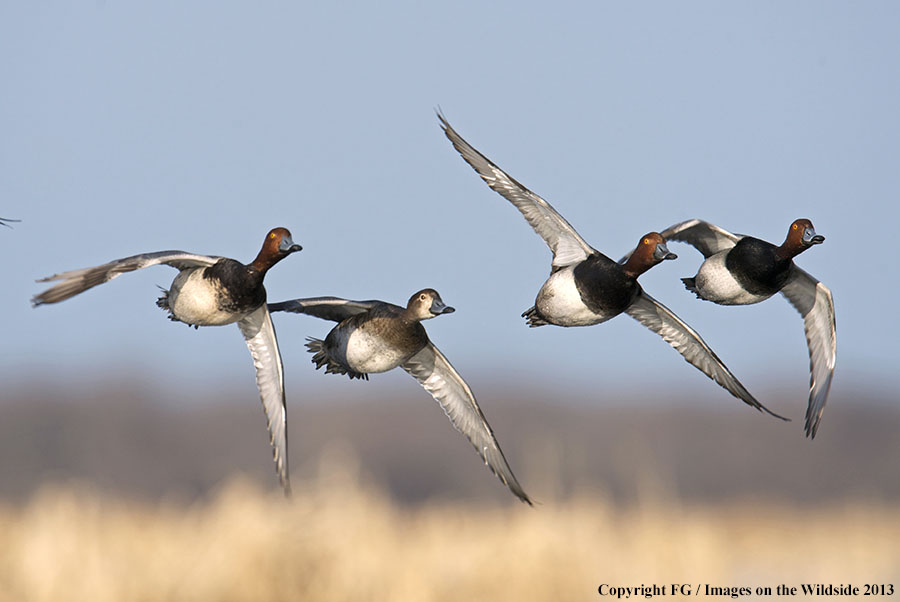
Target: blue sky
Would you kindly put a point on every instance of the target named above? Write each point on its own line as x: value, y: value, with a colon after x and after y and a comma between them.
x: 199, y: 126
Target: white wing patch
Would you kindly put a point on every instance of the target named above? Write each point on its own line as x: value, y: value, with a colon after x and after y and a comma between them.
x: 685, y: 340
x: 439, y: 378
x: 259, y: 334
x: 814, y: 302
x: 78, y: 281
x: 707, y: 238
x: 567, y: 245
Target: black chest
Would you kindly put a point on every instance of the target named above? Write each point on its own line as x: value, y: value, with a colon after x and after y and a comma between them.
x: 756, y: 266
x: 240, y: 287
x: 604, y: 286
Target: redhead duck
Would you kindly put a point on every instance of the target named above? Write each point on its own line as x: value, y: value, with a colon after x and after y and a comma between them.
x: 741, y: 270
x: 212, y: 291
x: 586, y: 287
x: 375, y: 336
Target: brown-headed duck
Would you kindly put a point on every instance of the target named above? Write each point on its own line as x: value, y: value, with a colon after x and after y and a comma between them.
x: 741, y: 270
x: 375, y: 336
x: 213, y: 291
x: 586, y: 287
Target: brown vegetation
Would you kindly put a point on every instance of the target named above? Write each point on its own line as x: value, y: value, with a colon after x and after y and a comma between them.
x: 340, y: 540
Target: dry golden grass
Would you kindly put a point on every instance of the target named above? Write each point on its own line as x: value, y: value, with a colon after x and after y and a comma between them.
x: 339, y: 540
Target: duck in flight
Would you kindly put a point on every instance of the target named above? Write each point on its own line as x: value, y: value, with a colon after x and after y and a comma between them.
x: 212, y: 291
x: 375, y: 336
x: 742, y: 270
x: 586, y: 287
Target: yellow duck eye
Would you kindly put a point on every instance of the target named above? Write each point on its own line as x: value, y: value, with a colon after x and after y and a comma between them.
x: 646, y: 241
x: 793, y: 226
x: 272, y: 235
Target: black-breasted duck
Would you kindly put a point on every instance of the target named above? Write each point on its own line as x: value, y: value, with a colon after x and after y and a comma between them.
x: 742, y: 270
x: 213, y: 291
x: 375, y: 336
x: 586, y: 287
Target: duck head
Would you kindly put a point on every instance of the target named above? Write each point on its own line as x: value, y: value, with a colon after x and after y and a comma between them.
x: 801, y: 236
x: 277, y: 245
x: 650, y: 251
x: 426, y: 304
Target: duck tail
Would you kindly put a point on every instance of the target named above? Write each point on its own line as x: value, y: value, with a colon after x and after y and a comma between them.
x: 691, y: 285
x: 533, y: 318
x: 320, y: 358
x: 163, y: 301
x: 317, y: 348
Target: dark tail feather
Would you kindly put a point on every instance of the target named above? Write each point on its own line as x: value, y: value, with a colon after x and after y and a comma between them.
x: 320, y: 358
x: 533, y: 318
x: 163, y: 301
x: 316, y: 347
x: 691, y: 285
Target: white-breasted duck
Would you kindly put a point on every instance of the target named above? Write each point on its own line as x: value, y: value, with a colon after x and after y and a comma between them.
x: 213, y: 291
x: 375, y: 336
x: 586, y: 287
x: 742, y: 270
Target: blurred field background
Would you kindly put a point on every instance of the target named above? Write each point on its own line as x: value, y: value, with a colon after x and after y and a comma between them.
x: 110, y: 493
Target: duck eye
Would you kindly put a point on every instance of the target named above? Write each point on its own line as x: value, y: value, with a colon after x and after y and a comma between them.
x: 422, y: 297
x: 272, y: 235
x: 646, y: 241
x: 794, y: 227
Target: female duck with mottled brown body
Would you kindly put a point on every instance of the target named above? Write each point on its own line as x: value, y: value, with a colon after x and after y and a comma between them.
x: 213, y: 291
x: 586, y: 287
x: 375, y: 336
x: 742, y: 270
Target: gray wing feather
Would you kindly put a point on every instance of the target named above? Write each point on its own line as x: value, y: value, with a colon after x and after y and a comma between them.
x: 707, y: 238
x: 326, y: 308
x: 439, y: 378
x: 814, y: 302
x: 78, y: 281
x: 660, y: 319
x: 259, y: 333
x: 567, y: 246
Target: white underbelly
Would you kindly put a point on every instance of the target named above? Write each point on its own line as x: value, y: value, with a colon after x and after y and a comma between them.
x: 194, y: 299
x: 716, y: 283
x: 559, y: 302
x: 367, y: 353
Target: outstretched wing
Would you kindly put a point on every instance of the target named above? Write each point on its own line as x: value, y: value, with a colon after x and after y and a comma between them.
x: 259, y: 333
x: 660, y: 319
x: 327, y: 308
x: 813, y: 300
x: 78, y: 281
x: 439, y: 378
x: 707, y: 238
x: 567, y: 246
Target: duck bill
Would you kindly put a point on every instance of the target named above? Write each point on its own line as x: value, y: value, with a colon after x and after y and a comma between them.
x: 288, y: 246
x: 438, y: 308
x: 811, y: 238
x: 662, y: 253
